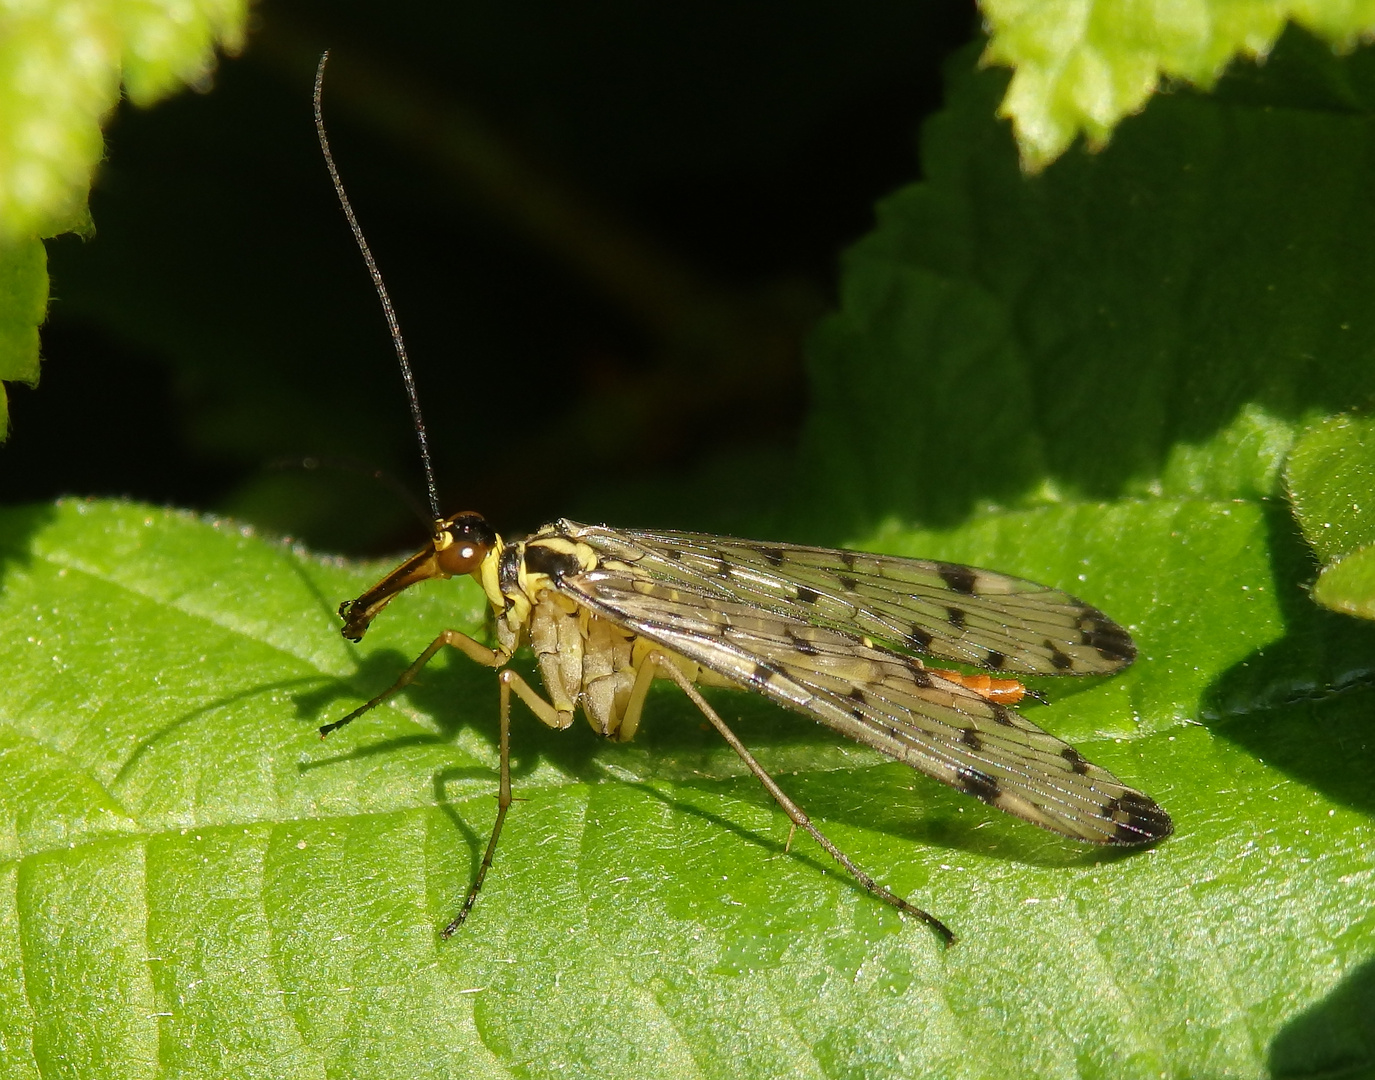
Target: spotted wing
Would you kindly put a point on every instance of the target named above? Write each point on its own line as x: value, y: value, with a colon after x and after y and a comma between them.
x: 879, y: 698
x: 943, y: 610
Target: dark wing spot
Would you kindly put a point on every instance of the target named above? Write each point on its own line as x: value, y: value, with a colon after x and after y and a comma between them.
x: 918, y: 639
x: 955, y: 616
x: 1139, y: 819
x: 674, y: 553
x: 958, y: 578
x: 1058, y: 660
x: 857, y: 694
x: 971, y: 739
x: 723, y: 564
x: 806, y: 595
x: 920, y: 676
x: 1099, y: 632
x: 801, y: 644
x: 995, y: 659
x: 979, y: 784
x: 1000, y: 714
x: 848, y: 558
x: 773, y: 556
x: 1076, y: 760
x: 849, y: 584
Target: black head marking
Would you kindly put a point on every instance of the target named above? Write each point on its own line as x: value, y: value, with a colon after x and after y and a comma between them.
x: 960, y: 579
x: 540, y: 559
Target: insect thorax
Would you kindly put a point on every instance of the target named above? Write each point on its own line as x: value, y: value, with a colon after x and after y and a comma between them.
x: 584, y: 659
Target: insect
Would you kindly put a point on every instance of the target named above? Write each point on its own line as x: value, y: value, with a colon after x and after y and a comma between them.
x: 829, y: 633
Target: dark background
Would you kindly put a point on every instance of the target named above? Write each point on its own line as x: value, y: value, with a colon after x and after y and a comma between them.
x: 606, y: 232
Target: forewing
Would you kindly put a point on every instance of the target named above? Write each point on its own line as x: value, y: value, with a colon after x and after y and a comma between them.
x: 881, y: 699
x: 943, y: 610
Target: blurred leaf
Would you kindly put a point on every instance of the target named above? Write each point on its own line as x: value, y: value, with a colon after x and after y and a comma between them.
x: 1084, y: 67
x: 61, y: 66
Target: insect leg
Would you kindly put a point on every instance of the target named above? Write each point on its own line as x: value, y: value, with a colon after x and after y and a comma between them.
x: 507, y: 680
x: 474, y: 650
x: 794, y: 812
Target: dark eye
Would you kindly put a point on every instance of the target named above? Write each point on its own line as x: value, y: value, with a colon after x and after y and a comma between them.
x: 461, y: 557
x: 469, y: 538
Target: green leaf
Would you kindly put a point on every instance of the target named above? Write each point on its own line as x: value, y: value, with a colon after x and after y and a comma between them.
x: 1330, y: 476
x: 23, y: 303
x: 1157, y: 321
x: 194, y: 883
x: 1348, y: 584
x: 1084, y: 67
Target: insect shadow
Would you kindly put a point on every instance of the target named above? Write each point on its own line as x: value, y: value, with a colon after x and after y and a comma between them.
x: 149, y: 742
x: 675, y: 746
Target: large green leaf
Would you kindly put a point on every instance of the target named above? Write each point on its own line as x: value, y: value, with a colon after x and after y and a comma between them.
x: 195, y: 884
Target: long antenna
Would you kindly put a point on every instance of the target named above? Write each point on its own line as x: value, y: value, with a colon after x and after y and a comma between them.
x: 392, y: 324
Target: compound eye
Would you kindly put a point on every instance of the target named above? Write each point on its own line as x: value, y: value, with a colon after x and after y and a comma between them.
x: 463, y: 555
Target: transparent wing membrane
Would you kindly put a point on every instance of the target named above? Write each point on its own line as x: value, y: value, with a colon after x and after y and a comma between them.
x: 810, y: 628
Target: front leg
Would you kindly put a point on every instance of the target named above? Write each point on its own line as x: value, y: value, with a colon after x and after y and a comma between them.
x: 469, y: 647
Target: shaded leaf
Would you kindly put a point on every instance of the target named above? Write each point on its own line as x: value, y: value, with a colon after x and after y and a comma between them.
x: 23, y: 303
